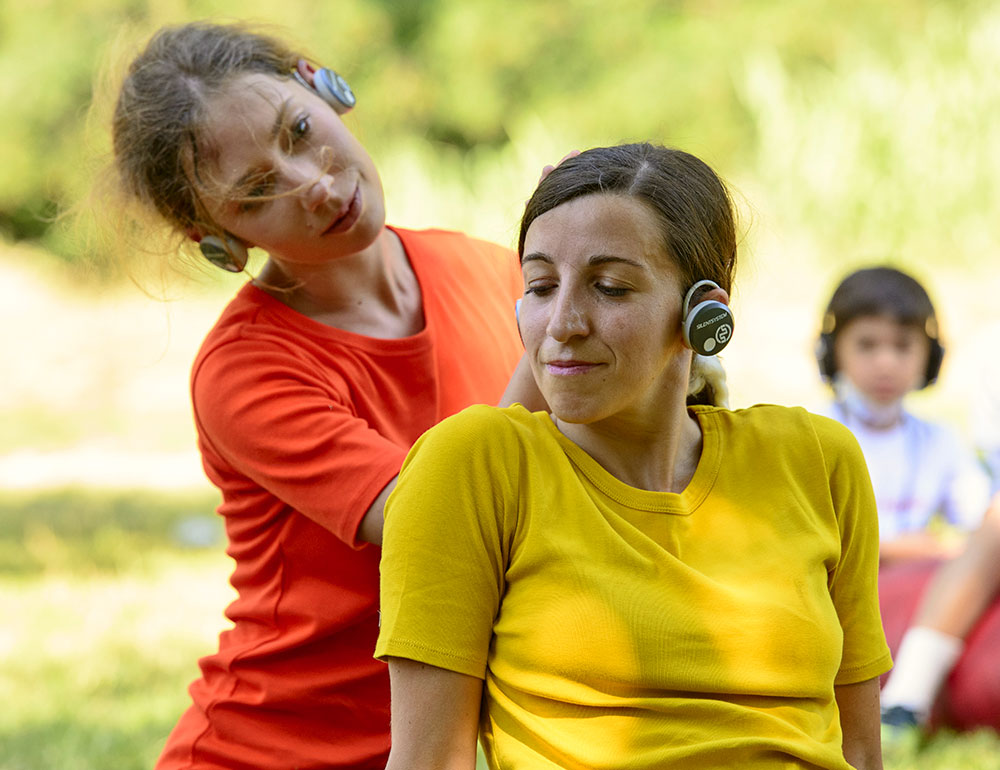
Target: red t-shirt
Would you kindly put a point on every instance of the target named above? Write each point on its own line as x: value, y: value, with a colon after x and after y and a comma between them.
x: 301, y: 426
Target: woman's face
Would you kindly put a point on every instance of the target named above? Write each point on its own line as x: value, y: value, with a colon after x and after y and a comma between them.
x: 278, y: 169
x: 600, y: 317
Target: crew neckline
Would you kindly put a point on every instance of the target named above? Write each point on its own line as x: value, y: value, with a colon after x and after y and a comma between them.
x: 681, y: 503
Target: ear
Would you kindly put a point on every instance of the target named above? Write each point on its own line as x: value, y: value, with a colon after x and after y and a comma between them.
x: 706, y: 318
x: 330, y: 86
x: 306, y: 72
x: 710, y: 293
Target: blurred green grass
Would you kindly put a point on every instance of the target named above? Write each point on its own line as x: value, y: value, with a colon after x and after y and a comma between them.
x: 110, y: 598
x: 109, y: 603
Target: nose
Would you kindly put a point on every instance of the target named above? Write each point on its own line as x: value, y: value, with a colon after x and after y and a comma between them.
x: 309, y: 180
x: 567, y: 317
x: 318, y: 192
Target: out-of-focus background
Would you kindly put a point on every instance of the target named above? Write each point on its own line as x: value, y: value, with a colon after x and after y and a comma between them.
x: 851, y: 133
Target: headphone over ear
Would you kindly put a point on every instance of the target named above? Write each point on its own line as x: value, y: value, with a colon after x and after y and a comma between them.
x: 708, y: 326
x: 827, y: 359
x: 228, y: 253
x: 331, y: 87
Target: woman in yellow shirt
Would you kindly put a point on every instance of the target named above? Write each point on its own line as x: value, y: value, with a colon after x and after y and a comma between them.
x: 641, y: 578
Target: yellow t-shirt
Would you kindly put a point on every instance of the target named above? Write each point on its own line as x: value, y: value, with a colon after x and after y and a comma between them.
x: 617, y: 627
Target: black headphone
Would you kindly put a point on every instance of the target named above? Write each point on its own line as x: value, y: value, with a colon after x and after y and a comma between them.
x: 227, y: 251
x: 708, y: 326
x: 827, y: 359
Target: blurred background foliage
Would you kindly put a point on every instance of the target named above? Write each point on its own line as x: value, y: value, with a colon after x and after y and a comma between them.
x: 867, y: 128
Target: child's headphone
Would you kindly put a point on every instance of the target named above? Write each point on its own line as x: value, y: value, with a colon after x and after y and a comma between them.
x: 228, y: 252
x: 708, y: 326
x: 827, y: 359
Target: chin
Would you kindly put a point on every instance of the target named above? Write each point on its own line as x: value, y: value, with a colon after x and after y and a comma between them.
x: 574, y: 413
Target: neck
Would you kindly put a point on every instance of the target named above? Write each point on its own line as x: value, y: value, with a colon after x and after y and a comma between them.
x: 372, y: 292
x: 660, y: 455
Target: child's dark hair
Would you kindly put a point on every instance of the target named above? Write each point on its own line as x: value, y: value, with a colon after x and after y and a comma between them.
x: 881, y: 291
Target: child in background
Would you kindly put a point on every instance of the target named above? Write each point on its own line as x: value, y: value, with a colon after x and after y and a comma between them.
x: 879, y: 342
x: 957, y: 596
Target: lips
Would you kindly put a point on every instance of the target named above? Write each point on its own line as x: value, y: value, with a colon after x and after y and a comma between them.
x: 347, y: 216
x: 569, y: 367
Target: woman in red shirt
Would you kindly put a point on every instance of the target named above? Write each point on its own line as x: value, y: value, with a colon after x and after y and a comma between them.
x: 353, y: 339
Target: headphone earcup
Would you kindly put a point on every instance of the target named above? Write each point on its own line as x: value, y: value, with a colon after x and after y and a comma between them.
x: 934, y: 358
x: 708, y: 327
x: 334, y: 90
x: 825, y: 356
x: 229, y: 254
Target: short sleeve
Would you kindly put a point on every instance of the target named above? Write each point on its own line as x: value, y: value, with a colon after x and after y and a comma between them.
x: 854, y: 579
x: 288, y: 426
x: 446, y: 542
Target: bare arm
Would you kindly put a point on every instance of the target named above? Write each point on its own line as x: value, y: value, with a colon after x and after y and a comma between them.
x: 916, y: 546
x: 963, y: 588
x: 435, y: 717
x: 370, y: 529
x: 859, y: 721
x: 522, y: 389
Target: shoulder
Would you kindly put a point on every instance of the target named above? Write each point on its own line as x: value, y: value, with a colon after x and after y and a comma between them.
x: 449, y: 242
x: 254, y: 347
x: 778, y: 422
x: 481, y: 446
x: 480, y: 427
x: 790, y: 431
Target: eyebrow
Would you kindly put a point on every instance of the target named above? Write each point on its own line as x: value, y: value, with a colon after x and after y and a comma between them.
x: 236, y: 189
x: 597, y: 259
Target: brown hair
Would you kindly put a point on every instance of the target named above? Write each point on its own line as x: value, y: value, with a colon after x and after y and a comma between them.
x: 162, y: 104
x: 696, y: 213
x: 881, y: 291
x: 695, y: 210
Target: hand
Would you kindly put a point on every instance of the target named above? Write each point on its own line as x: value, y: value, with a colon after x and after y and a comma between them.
x: 547, y: 169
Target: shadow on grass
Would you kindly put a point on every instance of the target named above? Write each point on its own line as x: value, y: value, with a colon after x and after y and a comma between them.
x: 85, y: 530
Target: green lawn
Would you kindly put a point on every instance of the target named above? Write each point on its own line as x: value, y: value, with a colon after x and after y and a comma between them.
x: 107, y: 610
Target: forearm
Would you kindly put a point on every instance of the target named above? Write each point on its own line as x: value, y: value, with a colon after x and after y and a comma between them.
x: 964, y: 587
x: 859, y: 721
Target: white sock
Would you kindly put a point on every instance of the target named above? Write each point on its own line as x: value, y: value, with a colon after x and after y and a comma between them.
x: 923, y: 661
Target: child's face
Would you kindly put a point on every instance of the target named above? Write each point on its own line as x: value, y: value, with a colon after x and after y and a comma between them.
x: 882, y: 358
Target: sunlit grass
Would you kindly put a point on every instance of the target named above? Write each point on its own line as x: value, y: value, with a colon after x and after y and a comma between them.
x: 94, y: 667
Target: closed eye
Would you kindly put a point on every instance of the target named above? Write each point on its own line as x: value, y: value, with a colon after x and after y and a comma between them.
x: 540, y: 289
